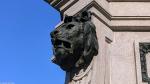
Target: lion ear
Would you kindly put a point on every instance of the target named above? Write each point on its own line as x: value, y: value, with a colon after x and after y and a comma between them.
x: 85, y: 16
x: 90, y: 42
x: 82, y: 17
x: 69, y: 19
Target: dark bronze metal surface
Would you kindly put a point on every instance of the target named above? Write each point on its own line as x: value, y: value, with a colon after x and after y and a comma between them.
x: 75, y: 42
x: 144, y: 49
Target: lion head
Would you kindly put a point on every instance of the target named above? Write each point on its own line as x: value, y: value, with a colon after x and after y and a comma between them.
x: 74, y: 42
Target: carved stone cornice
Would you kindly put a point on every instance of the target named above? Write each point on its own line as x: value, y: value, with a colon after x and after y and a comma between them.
x: 114, y: 22
x: 57, y: 4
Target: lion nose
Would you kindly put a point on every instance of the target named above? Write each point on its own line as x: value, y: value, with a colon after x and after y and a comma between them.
x: 54, y: 33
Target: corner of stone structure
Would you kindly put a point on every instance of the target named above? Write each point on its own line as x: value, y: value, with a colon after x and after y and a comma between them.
x: 57, y: 4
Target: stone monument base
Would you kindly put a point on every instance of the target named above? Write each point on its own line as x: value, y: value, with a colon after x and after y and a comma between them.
x: 123, y: 31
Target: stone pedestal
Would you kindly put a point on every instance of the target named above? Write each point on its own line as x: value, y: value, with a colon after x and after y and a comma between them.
x: 121, y: 26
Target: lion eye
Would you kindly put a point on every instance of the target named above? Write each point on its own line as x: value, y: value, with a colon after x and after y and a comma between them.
x: 70, y: 26
x: 67, y: 44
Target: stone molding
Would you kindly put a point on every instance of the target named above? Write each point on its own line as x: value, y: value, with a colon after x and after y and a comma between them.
x: 115, y: 23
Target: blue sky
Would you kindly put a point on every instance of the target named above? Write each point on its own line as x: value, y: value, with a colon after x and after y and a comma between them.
x: 25, y: 46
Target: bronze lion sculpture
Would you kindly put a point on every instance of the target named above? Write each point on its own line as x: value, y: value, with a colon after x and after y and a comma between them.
x: 74, y: 42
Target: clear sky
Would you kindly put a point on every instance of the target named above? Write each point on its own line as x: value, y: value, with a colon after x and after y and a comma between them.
x: 25, y: 46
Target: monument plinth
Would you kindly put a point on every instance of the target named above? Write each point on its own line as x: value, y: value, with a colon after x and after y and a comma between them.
x: 123, y: 34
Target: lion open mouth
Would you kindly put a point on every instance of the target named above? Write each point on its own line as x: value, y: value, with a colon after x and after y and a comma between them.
x: 61, y: 43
